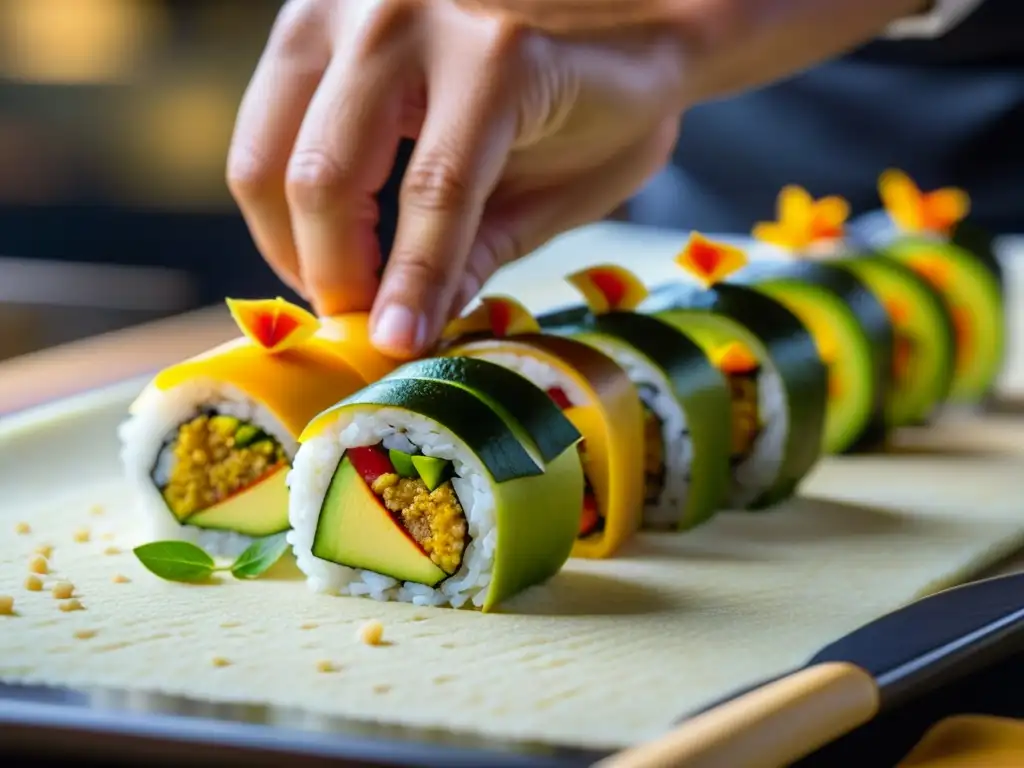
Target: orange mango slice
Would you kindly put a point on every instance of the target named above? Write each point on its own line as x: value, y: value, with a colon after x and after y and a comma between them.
x: 287, y: 360
x: 803, y: 221
x: 915, y: 211
x: 609, y: 288
x: 498, y: 316
x: 710, y: 262
x: 349, y: 337
x: 273, y: 324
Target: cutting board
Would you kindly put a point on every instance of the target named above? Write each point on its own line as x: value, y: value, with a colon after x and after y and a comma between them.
x: 607, y: 654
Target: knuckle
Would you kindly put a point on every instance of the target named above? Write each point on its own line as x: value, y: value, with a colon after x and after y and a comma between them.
x: 295, y: 23
x: 388, y: 21
x: 315, y: 181
x: 436, y: 184
x: 249, y: 174
x: 416, y: 272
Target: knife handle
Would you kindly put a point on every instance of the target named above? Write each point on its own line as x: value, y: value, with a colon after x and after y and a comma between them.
x: 769, y: 727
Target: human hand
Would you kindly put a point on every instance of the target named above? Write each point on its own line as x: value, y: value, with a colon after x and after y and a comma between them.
x: 520, y: 135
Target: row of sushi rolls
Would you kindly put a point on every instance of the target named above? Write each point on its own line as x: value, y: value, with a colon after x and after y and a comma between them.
x: 524, y: 440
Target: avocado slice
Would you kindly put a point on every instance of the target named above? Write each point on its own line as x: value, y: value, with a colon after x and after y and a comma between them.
x: 355, y: 530
x: 247, y: 434
x: 973, y: 297
x: 260, y: 509
x: 402, y: 462
x: 226, y: 425
x: 432, y: 470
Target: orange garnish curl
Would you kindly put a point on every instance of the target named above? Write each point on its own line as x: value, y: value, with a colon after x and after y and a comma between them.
x: 897, y: 310
x: 802, y: 220
x: 921, y: 212
x: 609, y: 288
x: 710, y: 262
x: 273, y: 324
x: 497, y: 315
x: 734, y: 358
x: 934, y: 269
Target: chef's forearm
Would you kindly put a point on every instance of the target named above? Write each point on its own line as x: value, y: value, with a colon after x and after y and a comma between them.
x: 734, y: 45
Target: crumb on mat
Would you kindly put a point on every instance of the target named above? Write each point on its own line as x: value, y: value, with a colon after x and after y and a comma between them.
x: 22, y: 528
x: 371, y: 632
x: 70, y: 605
x: 39, y: 564
x: 6, y: 605
x: 96, y: 509
x: 82, y: 535
x: 85, y: 634
x: 33, y: 583
x: 325, y: 666
x: 119, y: 578
x: 220, y: 661
x: 62, y: 590
x: 45, y: 550
x: 112, y: 551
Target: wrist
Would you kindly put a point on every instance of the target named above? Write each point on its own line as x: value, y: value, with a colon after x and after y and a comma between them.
x: 735, y: 45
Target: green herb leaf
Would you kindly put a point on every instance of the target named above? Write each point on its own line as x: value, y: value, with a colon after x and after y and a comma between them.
x: 176, y: 560
x: 260, y: 556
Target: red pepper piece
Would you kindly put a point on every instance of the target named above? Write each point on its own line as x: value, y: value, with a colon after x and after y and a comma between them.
x: 370, y: 462
x: 561, y: 399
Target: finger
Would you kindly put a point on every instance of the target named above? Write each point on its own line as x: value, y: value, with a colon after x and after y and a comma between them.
x: 462, y: 149
x: 515, y: 228
x: 268, y: 121
x: 343, y: 156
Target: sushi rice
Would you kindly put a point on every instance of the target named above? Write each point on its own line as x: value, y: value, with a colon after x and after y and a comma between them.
x: 656, y: 393
x: 310, y: 478
x: 146, y: 452
x: 759, y: 470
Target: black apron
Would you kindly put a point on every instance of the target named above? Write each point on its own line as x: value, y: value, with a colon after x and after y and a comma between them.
x: 948, y: 111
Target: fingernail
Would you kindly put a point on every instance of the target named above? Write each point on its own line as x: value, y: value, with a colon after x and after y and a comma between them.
x: 399, y: 329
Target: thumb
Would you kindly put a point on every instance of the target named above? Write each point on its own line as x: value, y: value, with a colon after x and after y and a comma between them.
x: 516, y: 228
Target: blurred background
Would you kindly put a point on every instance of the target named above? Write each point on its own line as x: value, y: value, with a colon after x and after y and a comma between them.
x: 115, y: 118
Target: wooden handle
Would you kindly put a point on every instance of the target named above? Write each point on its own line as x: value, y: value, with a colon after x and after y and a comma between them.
x: 769, y: 727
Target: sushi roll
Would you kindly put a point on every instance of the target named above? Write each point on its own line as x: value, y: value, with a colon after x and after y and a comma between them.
x: 209, y: 442
x: 596, y: 395
x: 684, y: 397
x: 937, y: 243
x: 923, y: 344
x: 450, y: 482
x: 761, y: 346
x: 849, y: 324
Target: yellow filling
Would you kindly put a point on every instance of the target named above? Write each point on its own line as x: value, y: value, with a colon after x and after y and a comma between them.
x: 745, y: 416
x: 208, y: 466
x: 433, y: 518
